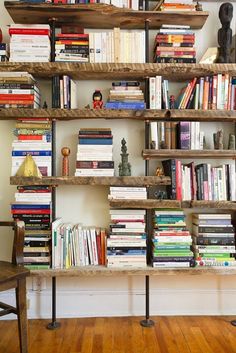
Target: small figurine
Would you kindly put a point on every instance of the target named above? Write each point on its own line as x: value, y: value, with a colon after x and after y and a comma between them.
x: 198, y: 6
x: 65, y: 161
x: 159, y: 172
x: 124, y: 166
x: 225, y: 33
x: 45, y: 106
x: 231, y: 145
x: 218, y: 140
x: 97, y: 100
x: 160, y: 195
x: 172, y: 102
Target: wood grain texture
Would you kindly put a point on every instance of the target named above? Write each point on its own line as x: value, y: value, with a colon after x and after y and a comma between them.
x: 145, y: 204
x: 165, y: 153
x: 219, y: 205
x: 106, y: 181
x: 109, y: 114
x: 83, y: 71
x: 100, y: 15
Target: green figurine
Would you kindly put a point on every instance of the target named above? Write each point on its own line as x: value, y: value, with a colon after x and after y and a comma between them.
x: 124, y: 166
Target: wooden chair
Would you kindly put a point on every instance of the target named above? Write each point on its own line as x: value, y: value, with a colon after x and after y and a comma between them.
x: 13, y: 275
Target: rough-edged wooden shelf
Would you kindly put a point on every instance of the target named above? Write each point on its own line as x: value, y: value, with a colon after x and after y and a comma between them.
x: 106, y: 181
x: 106, y: 271
x: 219, y: 205
x: 111, y: 71
x: 142, y: 115
x: 166, y: 153
x: 100, y: 15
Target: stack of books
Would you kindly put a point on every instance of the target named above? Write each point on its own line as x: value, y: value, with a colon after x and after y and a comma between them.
x: 75, y: 245
x: 64, y: 93
x: 126, y: 245
x: 29, y: 43
x: 33, y: 206
x: 4, y: 52
x: 126, y: 95
x: 172, y: 241
x: 33, y: 137
x: 72, y: 47
x: 214, y: 240
x: 127, y: 193
x: 175, y: 44
x: 18, y: 90
x: 95, y: 152
x: 177, y: 5
x: 201, y: 182
x: 117, y: 46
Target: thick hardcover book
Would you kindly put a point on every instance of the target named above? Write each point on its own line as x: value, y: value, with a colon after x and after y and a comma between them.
x: 95, y: 141
x: 214, y: 240
x: 125, y: 105
x: 169, y: 167
x: 206, y: 229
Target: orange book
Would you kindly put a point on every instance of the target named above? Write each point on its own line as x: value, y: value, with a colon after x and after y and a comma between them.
x: 103, y: 247
x: 188, y: 94
x: 205, y: 93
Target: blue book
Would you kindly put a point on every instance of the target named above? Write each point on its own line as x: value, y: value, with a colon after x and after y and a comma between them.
x: 3, y: 46
x: 95, y: 141
x: 125, y: 105
x: 32, y: 153
x: 30, y: 206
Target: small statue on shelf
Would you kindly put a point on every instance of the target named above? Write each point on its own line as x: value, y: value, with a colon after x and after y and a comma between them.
x: 225, y: 33
x: 160, y: 195
x: 231, y: 145
x: 198, y: 6
x: 65, y: 161
x: 97, y: 99
x: 45, y: 106
x: 159, y: 172
x: 124, y: 166
x: 218, y: 140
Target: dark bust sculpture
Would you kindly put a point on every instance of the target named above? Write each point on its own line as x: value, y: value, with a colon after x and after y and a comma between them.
x: 225, y: 33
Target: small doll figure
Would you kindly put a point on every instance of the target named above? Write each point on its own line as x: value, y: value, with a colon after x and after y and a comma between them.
x: 97, y: 100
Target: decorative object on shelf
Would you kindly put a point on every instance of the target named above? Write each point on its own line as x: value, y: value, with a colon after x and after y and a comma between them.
x: 210, y: 56
x: 225, y: 33
x: 204, y: 143
x: 159, y: 172
x: 65, y: 161
x: 97, y: 99
x: 29, y: 168
x: 231, y: 145
x: 160, y: 195
x: 45, y: 106
x: 87, y: 106
x: 218, y: 140
x: 198, y: 6
x: 124, y: 166
x: 172, y: 102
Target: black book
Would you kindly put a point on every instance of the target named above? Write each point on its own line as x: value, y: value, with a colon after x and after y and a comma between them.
x: 175, y: 60
x: 205, y: 229
x: 169, y: 167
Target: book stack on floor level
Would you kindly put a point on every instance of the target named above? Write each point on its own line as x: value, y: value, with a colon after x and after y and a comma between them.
x: 126, y: 245
x: 126, y: 95
x: 95, y: 152
x: 75, y: 245
x: 33, y: 206
x: 127, y: 193
x: 214, y: 240
x: 174, y: 44
x: 64, y: 92
x: 172, y: 241
x: 201, y: 182
x: 72, y: 47
x: 18, y: 90
x: 29, y: 43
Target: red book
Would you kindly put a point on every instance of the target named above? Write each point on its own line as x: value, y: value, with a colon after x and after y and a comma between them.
x: 17, y: 101
x: 60, y: 1
x: 76, y: 42
x: 178, y: 180
x: 27, y: 97
x: 99, y: 249
x: 72, y: 35
x: 33, y: 211
x: 30, y: 137
x: 127, y: 220
x: 35, y: 32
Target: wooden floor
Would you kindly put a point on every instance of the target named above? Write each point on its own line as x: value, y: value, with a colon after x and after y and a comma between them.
x: 125, y: 335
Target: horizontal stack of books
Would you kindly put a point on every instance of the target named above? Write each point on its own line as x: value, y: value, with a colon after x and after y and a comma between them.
x: 75, y: 245
x: 64, y: 92
x: 201, y: 182
x: 33, y: 206
x: 72, y: 47
x: 29, y: 43
x: 4, y: 52
x: 95, y: 152
x: 174, y: 44
x: 126, y: 245
x: 118, y: 46
x: 214, y: 240
x: 18, y: 90
x: 126, y: 95
x: 172, y: 241
x: 127, y: 193
x: 177, y: 5
x: 33, y: 137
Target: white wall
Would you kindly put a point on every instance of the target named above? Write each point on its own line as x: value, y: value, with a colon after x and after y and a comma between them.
x: 113, y: 296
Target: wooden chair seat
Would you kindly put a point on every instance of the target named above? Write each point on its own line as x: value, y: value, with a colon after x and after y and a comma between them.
x: 10, y: 272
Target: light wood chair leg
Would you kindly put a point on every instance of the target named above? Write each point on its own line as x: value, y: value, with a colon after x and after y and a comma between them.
x: 21, y: 306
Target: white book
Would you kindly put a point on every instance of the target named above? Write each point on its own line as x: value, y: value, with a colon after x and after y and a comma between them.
x: 125, y: 217
x: 98, y: 47
x: 171, y: 264
x: 232, y: 178
x: 91, y: 48
x: 152, y: 93
x: 127, y: 225
x: 127, y: 212
x: 122, y: 197
x: 56, y: 243
x: 127, y: 188
x: 30, y: 26
x: 94, y: 172
x: 219, y: 92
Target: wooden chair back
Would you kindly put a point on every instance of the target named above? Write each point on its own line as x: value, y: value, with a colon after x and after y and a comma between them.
x: 18, y: 241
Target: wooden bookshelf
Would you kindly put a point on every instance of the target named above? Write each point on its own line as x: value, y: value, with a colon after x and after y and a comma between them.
x: 165, y: 153
x: 219, y: 205
x: 105, y: 181
x: 110, y: 114
x: 100, y: 15
x: 111, y: 71
x: 88, y: 271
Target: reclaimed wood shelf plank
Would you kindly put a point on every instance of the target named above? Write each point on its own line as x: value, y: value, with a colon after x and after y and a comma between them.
x: 220, y: 205
x: 111, y: 71
x: 173, y: 153
x: 100, y: 15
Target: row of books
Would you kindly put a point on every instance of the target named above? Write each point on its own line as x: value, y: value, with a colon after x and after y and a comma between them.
x: 177, y: 5
x: 172, y: 135
x: 126, y: 244
x: 201, y: 182
x: 95, y: 152
x: 125, y: 95
x: 72, y: 47
x: 76, y: 245
x: 127, y: 193
x: 64, y: 92
x: 33, y: 206
x: 29, y: 43
x: 117, y: 46
x: 32, y: 138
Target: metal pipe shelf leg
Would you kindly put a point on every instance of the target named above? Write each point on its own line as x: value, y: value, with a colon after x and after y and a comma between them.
x: 147, y: 322
x: 54, y: 324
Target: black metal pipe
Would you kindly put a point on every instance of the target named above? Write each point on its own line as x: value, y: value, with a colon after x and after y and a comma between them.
x: 147, y: 322
x: 147, y: 41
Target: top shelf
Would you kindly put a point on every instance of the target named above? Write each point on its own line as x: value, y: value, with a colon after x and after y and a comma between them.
x: 100, y: 15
